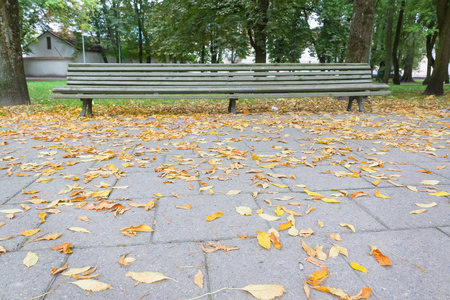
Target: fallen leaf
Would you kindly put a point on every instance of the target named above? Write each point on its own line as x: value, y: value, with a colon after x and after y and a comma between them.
x: 426, y: 205
x: 320, y: 254
x: 375, y: 183
x: 441, y: 167
x: 214, y: 216
x: 440, y: 194
x: 412, y: 188
x: 265, y: 291
x: 430, y: 182
x: 2, y: 250
x: 309, y: 250
x: 313, y: 194
x: 306, y: 232
x: 26, y: 207
x: 418, y: 211
x: 198, y: 279
x: 336, y: 237
x: 359, y: 194
x: 31, y: 259
x: 425, y: 171
x: 358, y: 267
x: 92, y: 285
x: 132, y: 230
x: 263, y: 239
x: 276, y: 243
x: 284, y: 226
x: 382, y: 259
x: 186, y: 206
x: 380, y: 195
x: 233, y: 192
x: 291, y: 212
x: 50, y: 237
x: 64, y: 248
x: 320, y: 223
x: 42, y: 217
x: 329, y: 200
x: 243, y: 210
x: 101, y: 194
x: 30, y: 232
x: 348, y: 226
x: 278, y: 211
x: 336, y: 250
x: 44, y: 179
x: 242, y: 236
x: 11, y: 211
x: 283, y: 186
x: 59, y: 270
x: 29, y: 192
x: 76, y: 271
x: 147, y: 277
x: 85, y: 219
x: 318, y: 274
x: 6, y: 238
x: 337, y: 292
x: 269, y: 217
x: 122, y: 260
x: 79, y: 229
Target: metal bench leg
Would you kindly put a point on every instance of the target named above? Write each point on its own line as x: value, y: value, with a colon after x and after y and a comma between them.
x: 87, y: 104
x: 232, y: 106
x: 360, y: 103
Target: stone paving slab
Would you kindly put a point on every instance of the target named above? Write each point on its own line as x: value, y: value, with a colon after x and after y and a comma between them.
x: 315, y: 152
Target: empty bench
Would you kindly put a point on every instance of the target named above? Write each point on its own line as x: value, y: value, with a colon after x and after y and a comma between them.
x: 217, y: 81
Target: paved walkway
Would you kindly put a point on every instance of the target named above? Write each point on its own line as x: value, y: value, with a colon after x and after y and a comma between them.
x: 214, y: 164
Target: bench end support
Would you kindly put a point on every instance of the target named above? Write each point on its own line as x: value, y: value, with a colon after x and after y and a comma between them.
x: 232, y: 106
x: 87, y: 107
x: 360, y: 103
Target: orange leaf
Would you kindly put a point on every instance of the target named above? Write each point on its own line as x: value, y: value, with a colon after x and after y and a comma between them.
x: 318, y: 274
x: 140, y: 228
x: 284, y: 226
x: 214, y: 216
x: 242, y: 236
x: 30, y: 232
x: 23, y: 175
x: 275, y: 241
x: 425, y: 171
x: 359, y: 194
x: 186, y: 206
x: 56, y: 270
x: 380, y: 195
x: 382, y: 259
x: 64, y: 248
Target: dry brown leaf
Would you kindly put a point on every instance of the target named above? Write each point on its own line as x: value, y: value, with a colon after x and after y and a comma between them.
x: 336, y: 237
x: 122, y: 260
x: 59, y: 270
x: 76, y: 271
x: 65, y: 248
x: 309, y: 250
x: 85, y: 219
x: 352, y: 228
x: 198, y: 279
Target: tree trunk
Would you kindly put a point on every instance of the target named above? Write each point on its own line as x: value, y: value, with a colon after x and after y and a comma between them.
x: 13, y: 86
x: 138, y: 15
x: 409, y: 63
x: 431, y: 40
x: 388, y: 60
x: 359, y: 41
x: 396, y: 79
x: 259, y: 36
x: 440, y: 71
x: 360, y: 38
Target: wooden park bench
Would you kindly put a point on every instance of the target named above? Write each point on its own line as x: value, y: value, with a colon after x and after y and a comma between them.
x: 217, y: 81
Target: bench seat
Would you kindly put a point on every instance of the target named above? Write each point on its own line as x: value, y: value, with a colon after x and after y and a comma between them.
x: 217, y: 81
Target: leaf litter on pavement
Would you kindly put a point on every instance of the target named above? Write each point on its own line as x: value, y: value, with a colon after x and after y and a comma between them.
x: 59, y: 154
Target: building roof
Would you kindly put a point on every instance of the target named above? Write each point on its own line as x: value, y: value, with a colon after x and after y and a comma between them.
x: 70, y: 41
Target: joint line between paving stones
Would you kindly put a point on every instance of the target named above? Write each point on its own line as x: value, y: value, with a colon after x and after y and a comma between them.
x: 369, y: 213
x: 48, y: 288
x: 442, y: 231
x: 10, y: 198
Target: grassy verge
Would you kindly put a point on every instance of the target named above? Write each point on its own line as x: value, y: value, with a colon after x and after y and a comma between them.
x: 406, y: 97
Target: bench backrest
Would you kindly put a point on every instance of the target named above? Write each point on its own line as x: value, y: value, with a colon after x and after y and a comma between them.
x: 216, y: 74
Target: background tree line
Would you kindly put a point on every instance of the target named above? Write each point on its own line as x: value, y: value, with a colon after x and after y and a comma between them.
x: 208, y: 31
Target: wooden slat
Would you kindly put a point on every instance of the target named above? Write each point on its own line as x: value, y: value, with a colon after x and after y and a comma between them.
x: 199, y: 74
x: 223, y: 96
x: 202, y: 83
x: 220, y: 89
x: 227, y: 79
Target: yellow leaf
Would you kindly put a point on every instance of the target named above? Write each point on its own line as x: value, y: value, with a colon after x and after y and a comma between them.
x: 259, y: 211
x: 31, y: 259
x: 412, y: 188
x: 358, y: 267
x: 76, y: 271
x: 198, y: 279
x: 427, y: 205
x: 214, y: 216
x: 127, y: 165
x: 320, y: 254
x: 233, y: 192
x: 313, y: 194
x: 101, y: 194
x: 320, y: 223
x: 205, y: 188
x: 140, y: 228
x: 50, y: 237
x: 440, y: 194
x: 78, y: 229
x: 279, y: 211
x: 309, y: 250
x: 85, y: 219
x: 284, y: 226
x: 92, y: 285
x: 42, y: 216
x: 44, y: 179
x: 29, y: 192
x: 419, y: 211
x: 158, y: 195
x: 336, y: 237
x: 330, y: 200
x: 376, y: 182
x: 243, y: 210
x: 2, y: 250
x: 380, y: 195
x: 146, y: 277
x: 348, y: 226
x: 280, y: 185
x: 263, y: 239
x: 337, y: 292
x: 265, y: 291
x: 30, y: 232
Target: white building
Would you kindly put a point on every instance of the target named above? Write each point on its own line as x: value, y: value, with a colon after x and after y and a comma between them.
x: 50, y: 55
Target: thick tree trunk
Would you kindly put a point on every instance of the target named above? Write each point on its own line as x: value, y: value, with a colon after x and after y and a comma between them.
x: 257, y: 32
x: 360, y: 38
x: 388, y: 60
x: 431, y: 40
x: 396, y: 79
x: 409, y: 63
x: 359, y: 41
x: 440, y: 71
x: 13, y: 86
